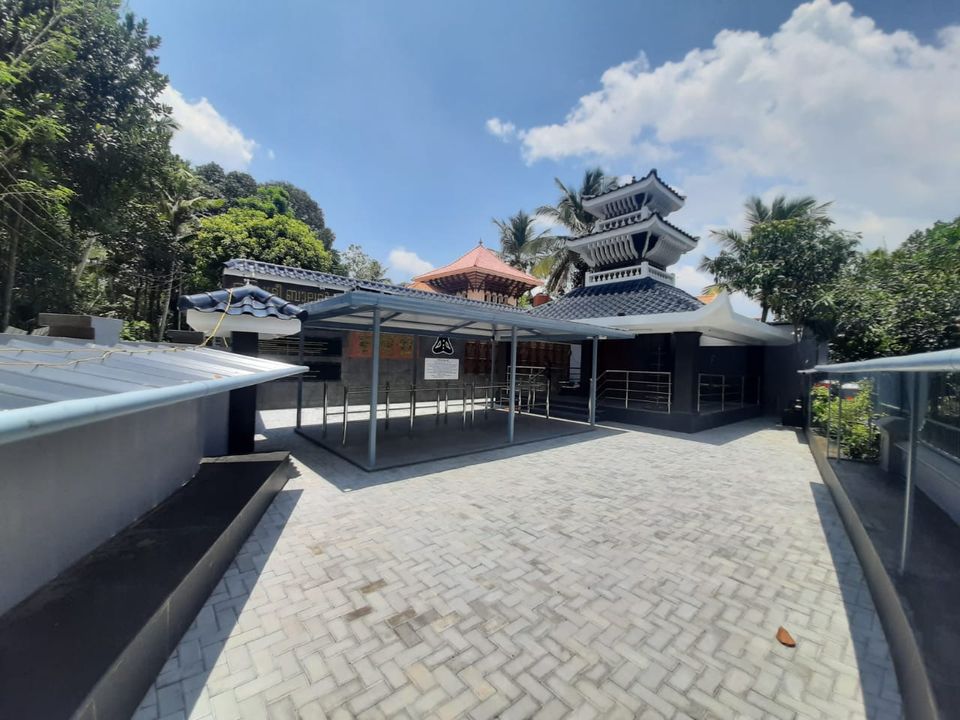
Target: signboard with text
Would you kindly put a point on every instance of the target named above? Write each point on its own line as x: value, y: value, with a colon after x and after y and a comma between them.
x: 441, y: 369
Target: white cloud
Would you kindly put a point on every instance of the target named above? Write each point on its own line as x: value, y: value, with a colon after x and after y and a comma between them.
x: 829, y: 104
x: 692, y: 280
x: 408, y: 263
x: 204, y: 135
x: 506, y: 131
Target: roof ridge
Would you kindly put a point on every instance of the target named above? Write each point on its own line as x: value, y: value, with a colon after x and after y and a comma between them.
x: 653, y: 172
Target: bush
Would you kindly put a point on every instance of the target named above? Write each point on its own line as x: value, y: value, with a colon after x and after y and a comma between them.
x: 136, y: 330
x: 860, y: 439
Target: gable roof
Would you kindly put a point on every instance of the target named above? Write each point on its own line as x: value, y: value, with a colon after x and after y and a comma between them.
x: 480, y: 260
x: 644, y: 296
x: 245, y: 300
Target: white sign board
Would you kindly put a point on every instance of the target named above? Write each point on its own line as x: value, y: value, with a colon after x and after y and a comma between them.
x: 441, y: 369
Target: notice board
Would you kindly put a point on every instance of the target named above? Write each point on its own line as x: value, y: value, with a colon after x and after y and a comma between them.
x: 441, y: 369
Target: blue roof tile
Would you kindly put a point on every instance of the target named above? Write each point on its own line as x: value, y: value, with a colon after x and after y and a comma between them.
x: 245, y: 300
x: 644, y: 296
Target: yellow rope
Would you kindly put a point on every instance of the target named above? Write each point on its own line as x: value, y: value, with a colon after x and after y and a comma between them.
x: 216, y: 327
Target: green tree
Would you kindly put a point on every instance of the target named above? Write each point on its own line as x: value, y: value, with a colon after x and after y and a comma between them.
x: 561, y: 266
x: 251, y: 233
x: 305, y: 208
x: 84, y: 85
x: 521, y: 244
x: 778, y: 236
x: 900, y: 302
x: 355, y: 263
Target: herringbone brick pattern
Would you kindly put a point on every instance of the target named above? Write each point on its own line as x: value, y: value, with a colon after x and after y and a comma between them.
x: 616, y: 574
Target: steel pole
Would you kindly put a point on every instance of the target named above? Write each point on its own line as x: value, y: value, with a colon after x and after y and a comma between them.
x: 916, y: 417
x: 513, y: 383
x: 593, y: 384
x: 413, y: 405
x: 840, y: 420
x: 299, y: 377
x: 374, y: 383
x: 324, y: 408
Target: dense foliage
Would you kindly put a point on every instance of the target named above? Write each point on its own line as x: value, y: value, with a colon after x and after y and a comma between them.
x: 96, y: 214
x: 854, y: 416
x: 787, y: 259
x: 900, y: 302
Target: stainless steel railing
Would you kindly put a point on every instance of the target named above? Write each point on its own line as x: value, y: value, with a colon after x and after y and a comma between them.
x: 639, y: 389
x: 717, y: 393
x: 409, y: 405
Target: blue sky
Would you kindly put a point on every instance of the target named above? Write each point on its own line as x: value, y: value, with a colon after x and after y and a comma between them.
x: 383, y: 110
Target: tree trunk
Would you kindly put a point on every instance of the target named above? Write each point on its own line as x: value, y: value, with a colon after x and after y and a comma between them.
x: 11, y: 268
x: 165, y: 302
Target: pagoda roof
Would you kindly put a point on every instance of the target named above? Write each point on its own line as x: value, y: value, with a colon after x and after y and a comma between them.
x: 632, y: 297
x: 621, y: 199
x: 483, y: 261
x: 650, y: 176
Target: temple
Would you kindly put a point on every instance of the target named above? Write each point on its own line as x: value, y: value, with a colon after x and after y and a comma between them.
x: 695, y: 364
x: 664, y: 358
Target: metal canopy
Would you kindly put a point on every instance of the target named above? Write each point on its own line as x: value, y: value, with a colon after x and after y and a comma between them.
x: 445, y: 315
x: 50, y: 384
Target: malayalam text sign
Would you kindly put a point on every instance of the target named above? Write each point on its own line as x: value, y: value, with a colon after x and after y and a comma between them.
x: 441, y: 369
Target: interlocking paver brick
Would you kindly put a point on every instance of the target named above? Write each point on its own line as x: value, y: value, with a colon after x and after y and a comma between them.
x: 618, y: 574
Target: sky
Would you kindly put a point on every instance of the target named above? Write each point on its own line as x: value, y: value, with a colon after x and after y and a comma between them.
x: 414, y: 124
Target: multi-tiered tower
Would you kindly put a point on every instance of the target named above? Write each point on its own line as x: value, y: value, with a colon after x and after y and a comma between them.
x: 632, y: 239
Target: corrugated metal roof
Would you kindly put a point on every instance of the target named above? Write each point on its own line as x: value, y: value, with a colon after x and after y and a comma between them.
x: 246, y: 300
x: 48, y: 383
x: 645, y: 296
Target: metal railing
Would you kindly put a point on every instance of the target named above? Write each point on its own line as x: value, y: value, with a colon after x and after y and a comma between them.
x: 718, y: 393
x: 640, y: 389
x: 407, y: 406
x: 528, y: 372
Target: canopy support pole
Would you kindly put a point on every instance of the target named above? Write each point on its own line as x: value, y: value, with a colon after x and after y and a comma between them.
x: 513, y: 383
x: 374, y: 382
x: 916, y: 415
x: 300, y: 379
x: 593, y: 385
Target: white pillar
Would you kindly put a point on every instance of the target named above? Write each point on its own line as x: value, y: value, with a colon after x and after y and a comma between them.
x: 374, y: 383
x: 513, y: 383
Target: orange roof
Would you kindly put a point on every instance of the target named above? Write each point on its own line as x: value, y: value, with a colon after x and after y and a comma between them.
x: 482, y: 260
x: 707, y: 298
x: 417, y: 285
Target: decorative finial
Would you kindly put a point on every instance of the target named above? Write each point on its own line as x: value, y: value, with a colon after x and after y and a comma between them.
x: 481, y: 242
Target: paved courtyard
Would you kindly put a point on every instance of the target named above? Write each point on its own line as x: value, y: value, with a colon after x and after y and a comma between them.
x: 619, y: 573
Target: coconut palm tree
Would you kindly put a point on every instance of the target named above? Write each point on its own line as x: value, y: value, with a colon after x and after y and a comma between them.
x: 521, y: 244
x: 736, y: 267
x: 561, y: 266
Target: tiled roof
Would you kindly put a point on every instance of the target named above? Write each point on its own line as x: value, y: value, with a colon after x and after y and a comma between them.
x: 637, y: 220
x: 253, y: 268
x: 245, y: 300
x: 483, y: 260
x: 244, y: 267
x: 644, y: 296
x: 417, y: 285
x: 653, y: 172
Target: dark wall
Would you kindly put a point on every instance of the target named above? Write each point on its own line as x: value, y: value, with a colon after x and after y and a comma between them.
x: 644, y: 352
x: 739, y: 360
x: 781, y: 382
